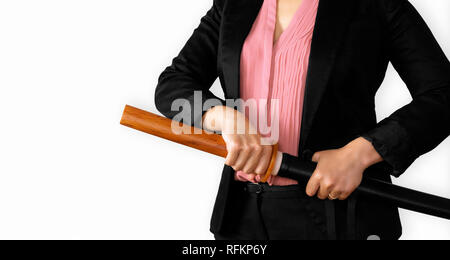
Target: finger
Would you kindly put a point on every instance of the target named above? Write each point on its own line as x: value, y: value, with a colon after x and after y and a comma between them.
x: 245, y: 176
x: 252, y: 177
x: 344, y: 196
x: 242, y: 159
x: 316, y: 157
x: 334, y: 195
x: 239, y: 176
x: 233, y: 154
x: 324, y: 191
x: 264, y: 160
x: 232, y: 158
x: 313, y: 185
x: 253, y: 161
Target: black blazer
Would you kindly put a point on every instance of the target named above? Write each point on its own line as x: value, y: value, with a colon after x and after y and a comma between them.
x: 353, y: 42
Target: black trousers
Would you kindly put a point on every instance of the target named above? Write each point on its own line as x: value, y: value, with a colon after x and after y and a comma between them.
x: 283, y: 213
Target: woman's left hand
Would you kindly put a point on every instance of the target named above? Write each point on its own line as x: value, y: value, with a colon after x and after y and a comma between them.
x: 339, y: 172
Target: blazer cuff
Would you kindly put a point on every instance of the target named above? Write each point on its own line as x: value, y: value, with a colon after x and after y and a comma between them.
x: 393, y: 144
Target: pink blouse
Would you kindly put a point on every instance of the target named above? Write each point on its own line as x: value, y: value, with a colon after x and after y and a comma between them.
x: 277, y: 71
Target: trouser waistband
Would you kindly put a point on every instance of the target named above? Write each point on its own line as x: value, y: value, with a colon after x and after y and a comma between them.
x: 264, y: 187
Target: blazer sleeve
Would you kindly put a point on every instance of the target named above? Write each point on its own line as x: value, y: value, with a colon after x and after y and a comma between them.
x: 420, y: 126
x: 194, y: 69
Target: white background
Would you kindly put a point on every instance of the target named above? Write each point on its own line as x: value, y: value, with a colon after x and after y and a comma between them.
x: 68, y: 170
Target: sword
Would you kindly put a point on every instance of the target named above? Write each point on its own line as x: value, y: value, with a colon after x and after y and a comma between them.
x: 296, y: 169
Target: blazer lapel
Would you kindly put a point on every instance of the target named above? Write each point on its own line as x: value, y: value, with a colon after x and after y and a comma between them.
x: 237, y: 23
x: 331, y: 23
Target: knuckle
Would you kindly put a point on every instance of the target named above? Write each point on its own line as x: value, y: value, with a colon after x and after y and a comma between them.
x: 257, y: 148
x: 318, y: 175
x: 230, y: 155
x: 338, y: 189
x: 328, y: 183
x: 234, y: 147
x: 259, y: 172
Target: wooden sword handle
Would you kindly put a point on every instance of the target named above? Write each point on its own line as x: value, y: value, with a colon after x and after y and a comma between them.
x: 162, y: 127
x: 271, y: 164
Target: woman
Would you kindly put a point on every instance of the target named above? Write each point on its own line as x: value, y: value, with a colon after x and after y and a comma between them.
x: 322, y: 61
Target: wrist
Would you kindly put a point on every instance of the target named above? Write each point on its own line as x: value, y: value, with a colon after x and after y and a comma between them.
x: 364, y: 152
x: 224, y: 119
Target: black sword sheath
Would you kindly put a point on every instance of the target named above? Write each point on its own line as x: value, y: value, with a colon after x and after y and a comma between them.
x: 398, y: 196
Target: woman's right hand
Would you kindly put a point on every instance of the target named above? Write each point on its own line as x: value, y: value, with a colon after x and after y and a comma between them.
x: 246, y: 154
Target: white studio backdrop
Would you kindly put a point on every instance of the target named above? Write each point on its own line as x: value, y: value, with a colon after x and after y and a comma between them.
x: 68, y: 170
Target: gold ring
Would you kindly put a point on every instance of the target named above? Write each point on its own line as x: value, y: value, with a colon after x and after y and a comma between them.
x: 331, y: 197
